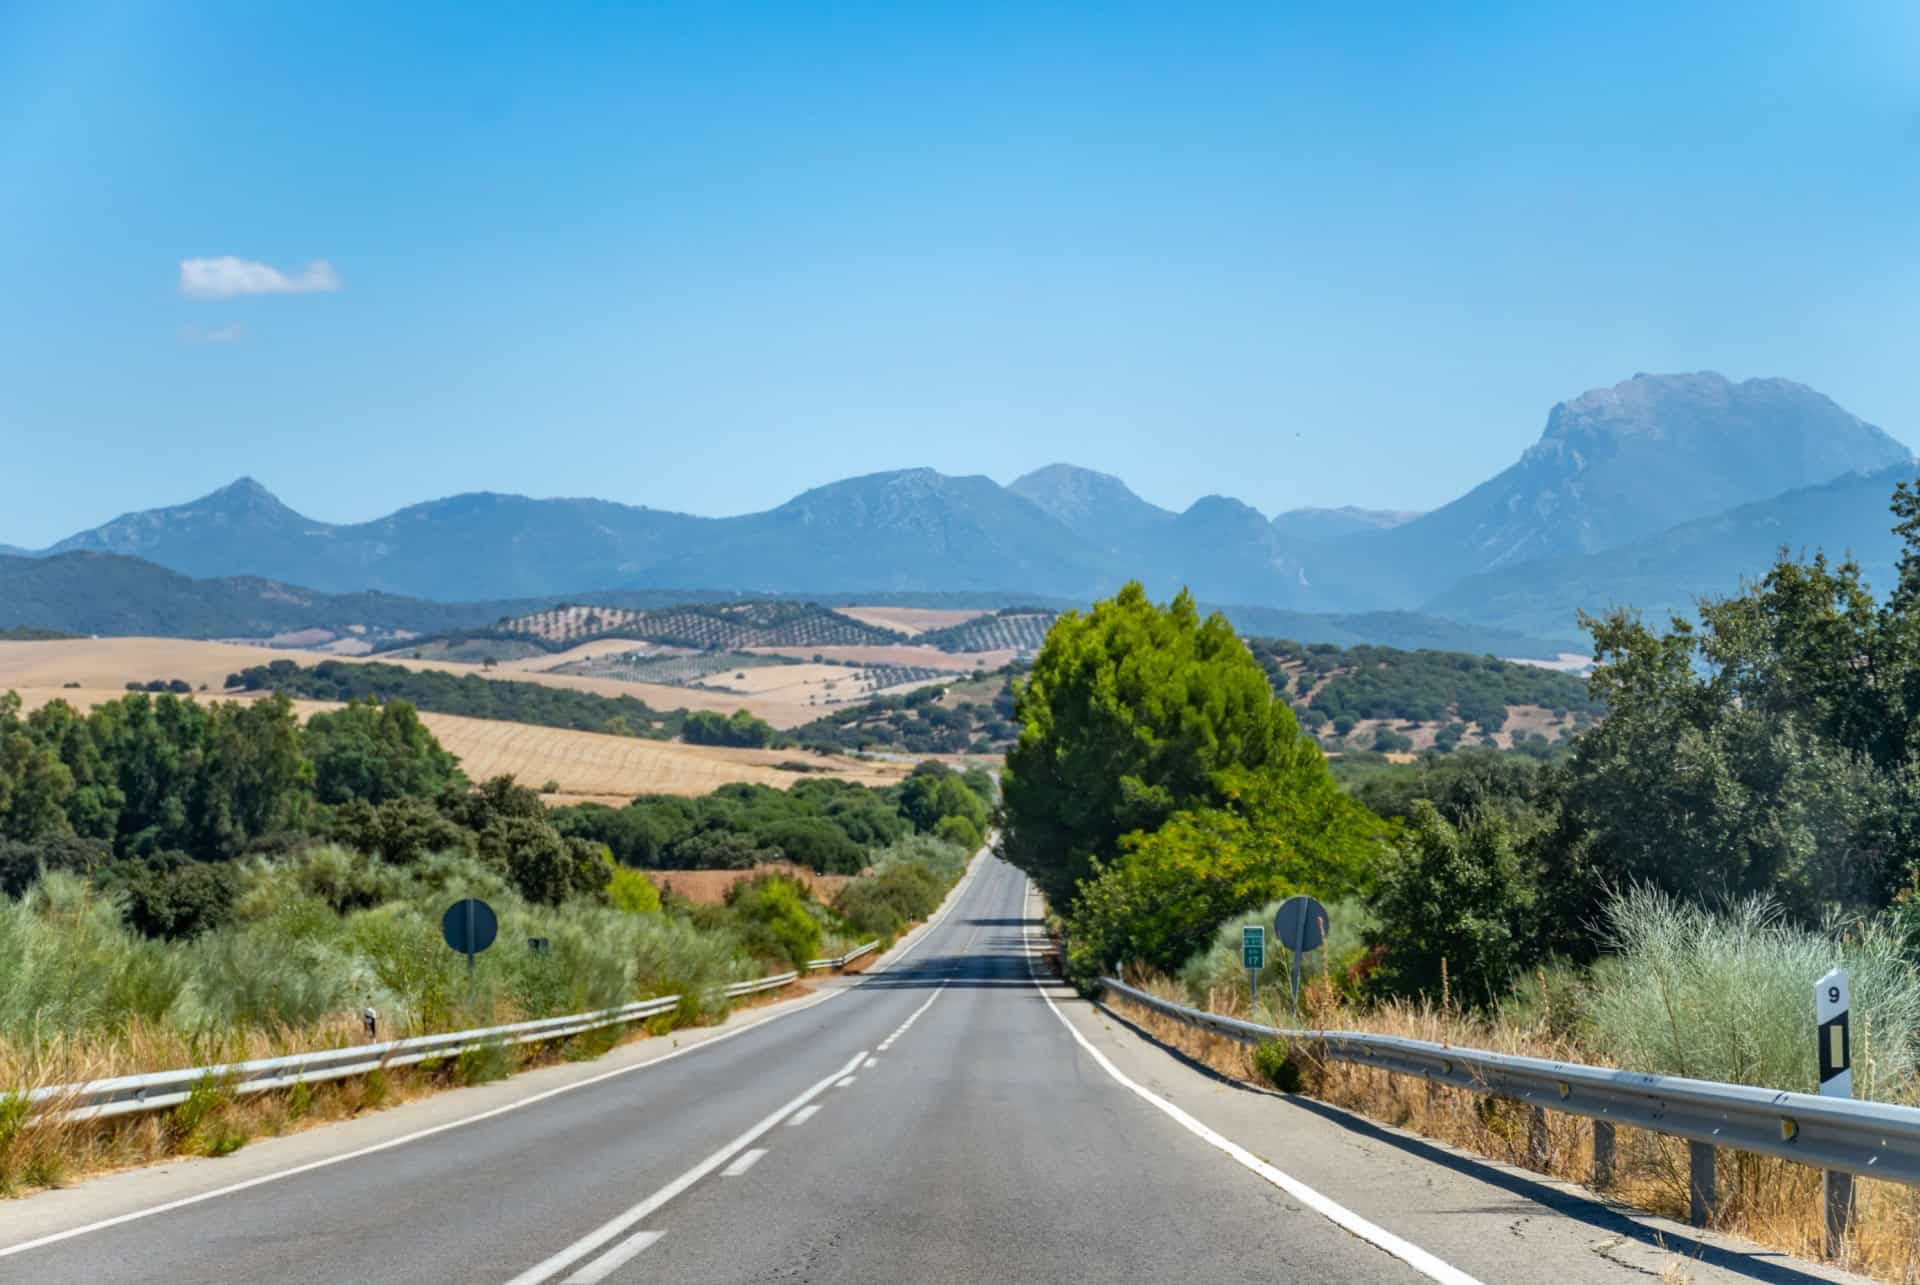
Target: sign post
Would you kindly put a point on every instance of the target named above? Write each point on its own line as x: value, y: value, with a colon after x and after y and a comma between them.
x: 1253, y: 955
x: 469, y: 927
x: 1300, y: 925
x: 1831, y: 1003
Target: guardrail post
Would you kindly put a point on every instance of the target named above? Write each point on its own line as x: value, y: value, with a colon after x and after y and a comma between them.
x: 1602, y: 1154
x: 1839, y: 1210
x: 1538, y: 1149
x: 1700, y: 1198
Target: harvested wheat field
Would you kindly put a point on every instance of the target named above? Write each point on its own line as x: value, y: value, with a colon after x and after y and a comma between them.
x: 587, y: 651
x: 910, y: 620
x: 115, y: 662
x: 586, y: 766
x: 112, y: 663
x: 590, y: 765
x: 709, y: 887
x: 899, y: 654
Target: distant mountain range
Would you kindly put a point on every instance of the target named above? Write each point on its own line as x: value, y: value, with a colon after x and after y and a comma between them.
x: 1656, y: 489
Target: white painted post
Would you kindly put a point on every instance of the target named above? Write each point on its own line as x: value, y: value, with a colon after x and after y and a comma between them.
x: 1831, y: 1002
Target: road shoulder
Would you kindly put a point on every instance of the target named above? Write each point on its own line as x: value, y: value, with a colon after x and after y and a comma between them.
x: 1494, y: 1221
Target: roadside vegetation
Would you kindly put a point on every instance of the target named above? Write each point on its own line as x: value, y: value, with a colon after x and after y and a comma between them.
x: 185, y: 883
x: 1660, y: 897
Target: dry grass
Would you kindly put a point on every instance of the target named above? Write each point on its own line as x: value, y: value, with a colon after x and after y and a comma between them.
x: 109, y: 664
x: 710, y: 887
x: 587, y: 766
x: 37, y: 1152
x: 959, y: 662
x: 589, y: 651
x: 1768, y: 1201
x: 909, y: 620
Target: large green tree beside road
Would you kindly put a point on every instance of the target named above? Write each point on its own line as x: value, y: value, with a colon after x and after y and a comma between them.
x: 1159, y: 785
x: 1130, y: 712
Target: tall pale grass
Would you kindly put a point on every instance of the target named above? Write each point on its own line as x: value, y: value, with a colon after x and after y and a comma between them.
x: 1728, y: 995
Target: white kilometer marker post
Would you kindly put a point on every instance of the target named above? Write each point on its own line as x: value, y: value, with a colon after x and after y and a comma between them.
x: 1830, y: 1004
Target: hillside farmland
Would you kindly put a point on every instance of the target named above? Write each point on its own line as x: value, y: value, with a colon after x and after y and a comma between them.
x: 586, y: 766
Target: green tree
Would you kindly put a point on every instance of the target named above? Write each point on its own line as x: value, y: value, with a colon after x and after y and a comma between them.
x: 1274, y: 835
x: 958, y: 830
x: 1463, y: 895
x: 935, y: 792
x: 376, y: 752
x: 1131, y: 712
x: 1762, y: 752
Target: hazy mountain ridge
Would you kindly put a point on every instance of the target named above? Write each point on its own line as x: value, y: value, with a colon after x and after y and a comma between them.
x: 1613, y: 467
x: 1618, y: 464
x: 1322, y: 526
x: 1664, y: 574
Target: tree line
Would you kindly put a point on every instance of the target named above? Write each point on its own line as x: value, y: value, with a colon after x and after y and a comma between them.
x: 158, y: 798
x: 1762, y: 750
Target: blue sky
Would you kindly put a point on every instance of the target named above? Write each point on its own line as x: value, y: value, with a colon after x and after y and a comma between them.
x: 704, y: 256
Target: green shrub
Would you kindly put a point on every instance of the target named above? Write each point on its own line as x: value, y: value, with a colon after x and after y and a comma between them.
x: 1279, y: 1065
x: 631, y: 892
x: 959, y: 831
x: 882, y: 905
x: 774, y: 920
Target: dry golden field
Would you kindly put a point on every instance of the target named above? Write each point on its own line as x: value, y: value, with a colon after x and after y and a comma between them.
x: 959, y: 662
x: 115, y: 662
x: 586, y: 766
x: 587, y: 651
x: 590, y: 766
x: 909, y: 620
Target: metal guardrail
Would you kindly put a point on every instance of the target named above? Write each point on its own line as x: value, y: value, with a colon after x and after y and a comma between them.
x: 1840, y: 1135
x: 841, y: 961
x: 127, y: 1094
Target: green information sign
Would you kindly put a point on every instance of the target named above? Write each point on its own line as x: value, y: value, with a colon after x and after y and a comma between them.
x: 1253, y: 947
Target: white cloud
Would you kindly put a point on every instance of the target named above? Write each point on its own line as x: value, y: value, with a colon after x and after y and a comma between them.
x: 232, y: 333
x: 227, y: 277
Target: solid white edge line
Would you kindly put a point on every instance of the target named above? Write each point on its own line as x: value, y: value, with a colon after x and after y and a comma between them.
x: 554, y: 1264
x: 1379, y: 1237
x: 490, y: 1113
x: 232, y: 1188
x: 614, y: 1259
x: 748, y: 1159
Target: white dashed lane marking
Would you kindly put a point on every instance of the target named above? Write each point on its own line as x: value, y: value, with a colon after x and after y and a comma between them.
x: 747, y: 1160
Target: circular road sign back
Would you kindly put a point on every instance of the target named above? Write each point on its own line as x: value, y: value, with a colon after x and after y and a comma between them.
x: 1300, y: 924
x: 469, y: 926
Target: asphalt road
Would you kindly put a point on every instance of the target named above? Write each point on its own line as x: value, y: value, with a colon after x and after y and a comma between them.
x: 947, y: 1119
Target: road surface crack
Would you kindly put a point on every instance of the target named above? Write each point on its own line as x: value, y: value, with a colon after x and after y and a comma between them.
x: 1605, y: 1250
